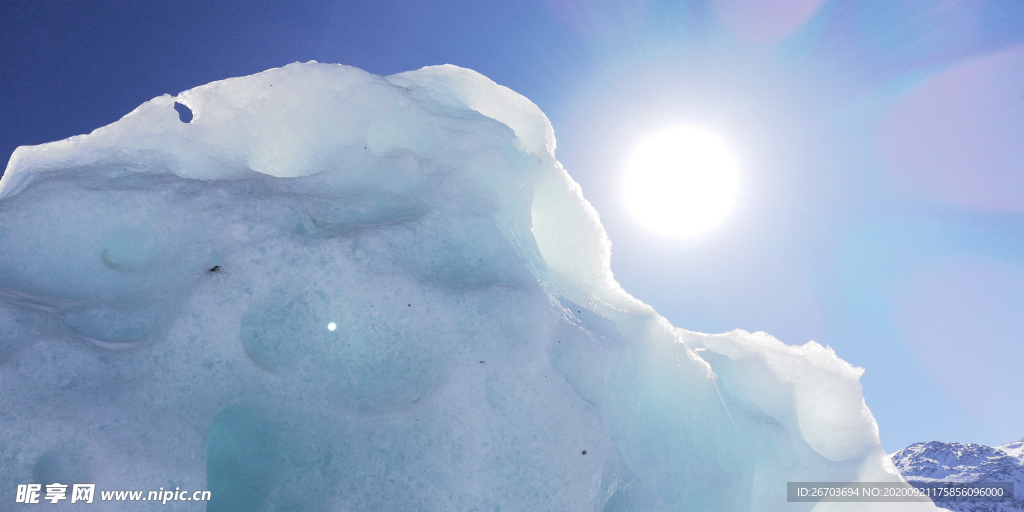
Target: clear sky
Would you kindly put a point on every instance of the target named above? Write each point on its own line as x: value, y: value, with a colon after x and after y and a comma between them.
x: 880, y: 146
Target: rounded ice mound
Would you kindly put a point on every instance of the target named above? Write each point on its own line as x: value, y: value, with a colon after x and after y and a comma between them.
x: 330, y: 290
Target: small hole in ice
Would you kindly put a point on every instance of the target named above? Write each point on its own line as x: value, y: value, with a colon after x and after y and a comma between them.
x: 184, y: 113
x: 332, y: 326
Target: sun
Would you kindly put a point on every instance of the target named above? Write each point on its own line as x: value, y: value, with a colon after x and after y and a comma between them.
x: 682, y: 181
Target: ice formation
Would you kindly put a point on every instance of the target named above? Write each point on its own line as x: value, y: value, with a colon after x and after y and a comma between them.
x: 332, y: 290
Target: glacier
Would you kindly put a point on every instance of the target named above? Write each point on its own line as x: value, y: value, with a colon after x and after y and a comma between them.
x: 320, y: 289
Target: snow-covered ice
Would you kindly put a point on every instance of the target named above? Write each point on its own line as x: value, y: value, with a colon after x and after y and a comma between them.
x: 336, y: 291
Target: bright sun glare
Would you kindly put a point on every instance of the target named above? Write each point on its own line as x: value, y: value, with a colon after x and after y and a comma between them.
x: 682, y: 181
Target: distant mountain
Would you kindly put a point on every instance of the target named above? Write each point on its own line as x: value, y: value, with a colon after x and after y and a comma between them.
x: 955, y: 462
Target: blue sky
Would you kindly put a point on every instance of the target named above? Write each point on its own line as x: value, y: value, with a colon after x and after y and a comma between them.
x: 881, y: 143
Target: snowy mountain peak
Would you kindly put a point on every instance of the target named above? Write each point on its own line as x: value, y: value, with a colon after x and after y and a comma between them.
x: 1014, y: 449
x: 956, y: 462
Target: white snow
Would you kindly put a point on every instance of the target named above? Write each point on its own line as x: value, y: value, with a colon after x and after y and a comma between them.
x: 1014, y: 449
x: 339, y: 291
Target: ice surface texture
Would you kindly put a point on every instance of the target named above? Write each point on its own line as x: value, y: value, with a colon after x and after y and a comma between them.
x: 331, y: 290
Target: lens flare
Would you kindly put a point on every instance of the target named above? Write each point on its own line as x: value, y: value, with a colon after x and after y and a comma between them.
x: 682, y: 181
